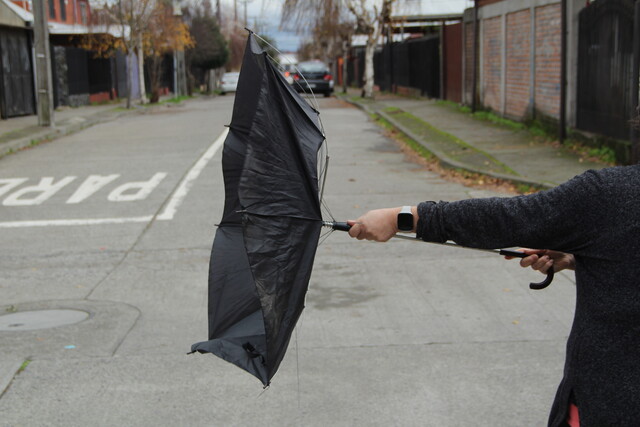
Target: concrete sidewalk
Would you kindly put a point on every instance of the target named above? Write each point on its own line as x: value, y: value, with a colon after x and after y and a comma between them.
x: 462, y: 141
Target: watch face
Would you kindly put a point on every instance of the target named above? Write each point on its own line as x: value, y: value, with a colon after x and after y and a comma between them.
x: 405, y: 221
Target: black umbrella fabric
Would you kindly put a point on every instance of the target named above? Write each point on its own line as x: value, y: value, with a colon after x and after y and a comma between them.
x: 264, y: 247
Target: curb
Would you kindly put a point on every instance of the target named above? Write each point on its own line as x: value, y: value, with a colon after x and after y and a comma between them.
x: 445, y: 160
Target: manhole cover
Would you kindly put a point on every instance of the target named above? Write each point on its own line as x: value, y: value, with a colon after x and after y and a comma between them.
x: 40, y: 319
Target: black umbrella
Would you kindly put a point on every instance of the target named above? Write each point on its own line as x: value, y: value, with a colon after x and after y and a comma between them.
x: 264, y: 246
x: 273, y: 164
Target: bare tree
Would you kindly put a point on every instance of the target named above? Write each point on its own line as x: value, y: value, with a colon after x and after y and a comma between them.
x: 370, y: 21
x: 331, y: 28
x: 328, y: 24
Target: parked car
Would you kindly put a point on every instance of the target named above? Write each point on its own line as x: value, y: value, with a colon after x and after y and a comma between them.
x: 229, y: 82
x: 288, y: 70
x: 313, y: 76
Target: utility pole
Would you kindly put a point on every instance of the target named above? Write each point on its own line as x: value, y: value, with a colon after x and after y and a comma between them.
x: 179, y: 71
x: 562, y: 125
x: 42, y: 63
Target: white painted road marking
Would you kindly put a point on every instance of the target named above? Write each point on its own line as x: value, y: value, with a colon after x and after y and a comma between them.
x: 142, y: 189
x: 58, y: 222
x: 185, y: 185
x: 90, y: 185
x: 168, y: 213
x: 45, y: 189
x: 7, y: 184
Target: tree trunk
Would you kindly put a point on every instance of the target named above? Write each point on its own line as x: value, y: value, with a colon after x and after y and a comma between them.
x: 140, y: 53
x: 129, y: 79
x: 155, y: 70
x: 370, y: 49
x: 345, y: 67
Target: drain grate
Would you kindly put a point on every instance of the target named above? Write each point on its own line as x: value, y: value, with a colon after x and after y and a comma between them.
x: 40, y: 319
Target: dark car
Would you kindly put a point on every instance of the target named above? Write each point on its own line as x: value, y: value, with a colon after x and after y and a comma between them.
x: 313, y: 76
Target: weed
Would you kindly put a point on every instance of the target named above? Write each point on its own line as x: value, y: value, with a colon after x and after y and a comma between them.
x: 494, y: 118
x: 525, y: 189
x: 24, y: 365
x: 177, y: 99
x: 604, y: 153
x: 414, y: 145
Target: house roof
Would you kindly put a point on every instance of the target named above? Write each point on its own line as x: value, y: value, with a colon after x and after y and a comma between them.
x: 412, y: 16
x: 429, y: 8
x: 15, y: 16
x: 12, y: 15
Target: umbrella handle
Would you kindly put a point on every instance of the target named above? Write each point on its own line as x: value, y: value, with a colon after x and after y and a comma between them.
x: 343, y: 226
x: 340, y: 226
x: 533, y: 285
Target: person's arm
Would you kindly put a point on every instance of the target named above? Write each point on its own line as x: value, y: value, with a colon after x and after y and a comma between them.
x: 379, y: 225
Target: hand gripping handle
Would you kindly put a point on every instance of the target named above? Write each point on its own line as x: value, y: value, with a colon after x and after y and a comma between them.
x: 533, y: 285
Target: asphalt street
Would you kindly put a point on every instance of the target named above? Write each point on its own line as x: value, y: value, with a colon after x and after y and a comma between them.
x: 117, y: 221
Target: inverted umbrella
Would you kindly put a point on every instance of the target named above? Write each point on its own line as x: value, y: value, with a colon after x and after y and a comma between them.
x: 264, y: 247
x: 273, y: 164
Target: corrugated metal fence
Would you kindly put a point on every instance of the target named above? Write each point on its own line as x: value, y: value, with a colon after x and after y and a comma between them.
x: 605, y: 68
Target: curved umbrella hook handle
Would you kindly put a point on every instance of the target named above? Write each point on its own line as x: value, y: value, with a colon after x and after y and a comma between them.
x: 546, y: 282
x: 533, y: 285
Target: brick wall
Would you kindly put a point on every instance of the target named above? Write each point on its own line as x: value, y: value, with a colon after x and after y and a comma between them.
x: 518, y: 65
x: 547, y: 74
x: 509, y: 91
x: 491, y: 63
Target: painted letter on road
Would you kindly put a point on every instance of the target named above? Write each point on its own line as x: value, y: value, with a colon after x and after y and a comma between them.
x: 45, y: 189
x: 136, y: 190
x: 90, y: 185
x: 7, y: 184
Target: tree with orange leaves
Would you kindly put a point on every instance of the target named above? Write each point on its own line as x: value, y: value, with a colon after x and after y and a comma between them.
x: 165, y: 34
x: 146, y: 28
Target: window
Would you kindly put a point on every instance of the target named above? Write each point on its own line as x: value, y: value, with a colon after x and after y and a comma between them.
x: 63, y: 10
x: 83, y: 13
x: 52, y: 10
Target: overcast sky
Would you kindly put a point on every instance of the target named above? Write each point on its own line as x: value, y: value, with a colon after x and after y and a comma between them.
x: 267, y: 14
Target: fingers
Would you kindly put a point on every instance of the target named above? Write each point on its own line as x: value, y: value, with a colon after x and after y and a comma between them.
x: 356, y: 229
x: 539, y: 263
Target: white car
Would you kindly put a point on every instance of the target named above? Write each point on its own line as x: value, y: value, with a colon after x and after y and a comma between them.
x: 229, y: 82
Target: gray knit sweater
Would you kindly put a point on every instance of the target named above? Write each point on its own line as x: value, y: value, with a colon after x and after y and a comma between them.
x: 596, y: 217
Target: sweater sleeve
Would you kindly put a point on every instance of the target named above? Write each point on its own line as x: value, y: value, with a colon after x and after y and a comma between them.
x: 564, y: 218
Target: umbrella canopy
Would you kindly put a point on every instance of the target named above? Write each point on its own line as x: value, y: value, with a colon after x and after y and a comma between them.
x: 264, y: 247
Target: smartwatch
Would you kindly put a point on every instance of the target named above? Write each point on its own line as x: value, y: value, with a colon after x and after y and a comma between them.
x: 405, y: 219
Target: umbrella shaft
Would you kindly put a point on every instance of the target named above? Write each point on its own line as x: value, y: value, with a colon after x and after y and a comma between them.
x: 343, y: 226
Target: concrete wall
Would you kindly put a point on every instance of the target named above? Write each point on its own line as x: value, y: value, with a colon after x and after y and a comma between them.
x: 519, y: 57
